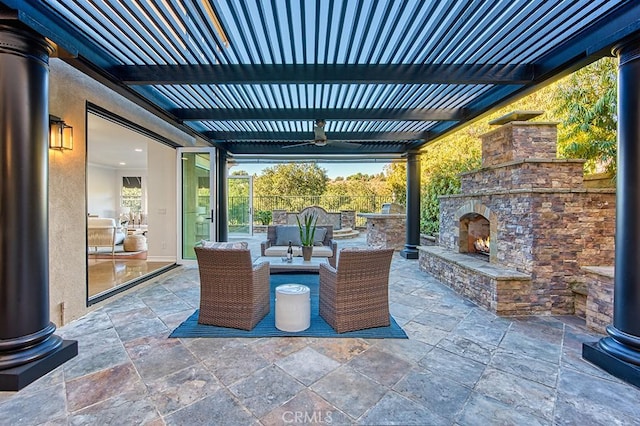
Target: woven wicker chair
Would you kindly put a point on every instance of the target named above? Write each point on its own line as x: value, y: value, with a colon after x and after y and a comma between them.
x: 233, y: 292
x: 355, y: 295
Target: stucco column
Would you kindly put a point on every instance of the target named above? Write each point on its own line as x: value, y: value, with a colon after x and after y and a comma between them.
x: 410, y: 250
x: 222, y: 213
x: 619, y: 353
x: 28, y: 347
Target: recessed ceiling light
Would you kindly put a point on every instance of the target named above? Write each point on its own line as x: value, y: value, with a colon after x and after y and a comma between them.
x: 138, y: 150
x: 122, y: 163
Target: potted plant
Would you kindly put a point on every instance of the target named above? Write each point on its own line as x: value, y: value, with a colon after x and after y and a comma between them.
x: 307, y: 232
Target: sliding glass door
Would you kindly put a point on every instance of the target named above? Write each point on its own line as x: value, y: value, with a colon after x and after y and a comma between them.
x: 197, y: 199
x: 240, y: 205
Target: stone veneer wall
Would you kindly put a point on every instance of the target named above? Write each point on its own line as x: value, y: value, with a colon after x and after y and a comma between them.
x: 543, y: 221
x: 519, y: 140
x: 348, y: 219
x: 386, y: 230
x: 339, y: 220
x: 599, y: 304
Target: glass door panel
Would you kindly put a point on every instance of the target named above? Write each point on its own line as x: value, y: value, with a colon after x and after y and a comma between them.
x: 197, y: 192
x: 240, y: 205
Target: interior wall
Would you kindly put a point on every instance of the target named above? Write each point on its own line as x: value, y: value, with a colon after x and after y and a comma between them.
x: 69, y: 91
x: 102, y: 197
x: 161, y: 209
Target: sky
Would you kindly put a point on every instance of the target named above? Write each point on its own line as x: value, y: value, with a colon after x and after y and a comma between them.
x: 333, y: 169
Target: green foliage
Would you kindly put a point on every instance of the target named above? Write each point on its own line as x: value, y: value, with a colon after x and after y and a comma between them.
x: 307, y: 228
x: 443, y: 181
x: 588, y: 102
x: 264, y: 216
x: 292, y: 179
x: 238, y: 187
x: 396, y: 175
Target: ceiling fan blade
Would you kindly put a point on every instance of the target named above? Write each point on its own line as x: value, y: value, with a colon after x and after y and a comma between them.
x: 344, y: 144
x: 298, y: 144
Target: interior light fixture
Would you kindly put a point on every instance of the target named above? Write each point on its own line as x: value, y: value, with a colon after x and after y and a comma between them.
x: 60, y: 134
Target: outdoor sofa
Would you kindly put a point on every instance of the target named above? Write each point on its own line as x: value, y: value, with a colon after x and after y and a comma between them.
x: 278, y: 237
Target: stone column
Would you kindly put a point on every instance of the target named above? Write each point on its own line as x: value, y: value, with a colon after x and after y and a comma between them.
x: 222, y: 214
x: 28, y: 347
x: 347, y: 219
x: 619, y: 353
x: 410, y: 250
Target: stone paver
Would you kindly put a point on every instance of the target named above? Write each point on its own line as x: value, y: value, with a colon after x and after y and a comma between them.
x: 461, y: 366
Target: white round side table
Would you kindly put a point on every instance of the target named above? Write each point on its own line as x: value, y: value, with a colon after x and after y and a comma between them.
x: 293, y: 307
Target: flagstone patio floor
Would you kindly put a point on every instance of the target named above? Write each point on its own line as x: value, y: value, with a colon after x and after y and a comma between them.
x: 461, y: 365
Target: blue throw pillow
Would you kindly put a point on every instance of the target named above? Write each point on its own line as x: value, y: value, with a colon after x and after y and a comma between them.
x: 286, y: 233
x: 318, y: 238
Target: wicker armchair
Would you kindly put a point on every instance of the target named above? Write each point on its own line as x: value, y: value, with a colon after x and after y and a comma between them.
x: 355, y: 295
x: 233, y: 292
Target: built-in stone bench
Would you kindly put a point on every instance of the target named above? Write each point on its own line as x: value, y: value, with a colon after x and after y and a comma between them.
x: 598, y: 281
x: 503, y: 291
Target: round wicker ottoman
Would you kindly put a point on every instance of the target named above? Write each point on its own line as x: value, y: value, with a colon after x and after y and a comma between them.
x: 293, y: 307
x: 135, y: 243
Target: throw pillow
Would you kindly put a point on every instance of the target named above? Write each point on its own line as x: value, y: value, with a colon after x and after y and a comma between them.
x: 286, y: 233
x: 235, y: 245
x: 356, y: 248
x: 319, y: 236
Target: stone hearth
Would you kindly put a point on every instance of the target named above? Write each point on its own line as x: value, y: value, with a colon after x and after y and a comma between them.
x: 542, y: 225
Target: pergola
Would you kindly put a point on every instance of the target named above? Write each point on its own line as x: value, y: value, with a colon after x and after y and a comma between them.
x: 252, y: 78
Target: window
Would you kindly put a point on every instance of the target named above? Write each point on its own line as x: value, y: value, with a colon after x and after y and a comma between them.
x: 131, y: 193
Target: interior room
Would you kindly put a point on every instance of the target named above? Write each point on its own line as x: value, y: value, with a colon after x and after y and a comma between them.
x: 118, y: 195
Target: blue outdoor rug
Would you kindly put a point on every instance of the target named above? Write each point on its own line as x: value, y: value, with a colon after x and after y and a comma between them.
x: 267, y: 327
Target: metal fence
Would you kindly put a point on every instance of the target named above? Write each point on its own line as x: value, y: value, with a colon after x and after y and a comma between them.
x: 264, y: 205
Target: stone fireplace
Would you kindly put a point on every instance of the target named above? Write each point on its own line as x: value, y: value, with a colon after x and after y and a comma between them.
x: 515, y: 237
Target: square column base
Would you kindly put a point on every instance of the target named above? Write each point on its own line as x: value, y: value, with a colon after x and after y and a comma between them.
x: 409, y: 254
x: 623, y: 370
x: 16, y: 378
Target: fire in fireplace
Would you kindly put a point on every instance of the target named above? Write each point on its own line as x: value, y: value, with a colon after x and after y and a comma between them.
x: 474, y: 234
x: 482, y: 245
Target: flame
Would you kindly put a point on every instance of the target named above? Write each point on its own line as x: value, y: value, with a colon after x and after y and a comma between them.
x: 482, y: 245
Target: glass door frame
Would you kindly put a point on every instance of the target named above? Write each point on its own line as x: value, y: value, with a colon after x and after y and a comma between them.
x: 249, y: 178
x: 213, y: 186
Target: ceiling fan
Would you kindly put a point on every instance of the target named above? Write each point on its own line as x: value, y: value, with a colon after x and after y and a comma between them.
x: 320, y: 138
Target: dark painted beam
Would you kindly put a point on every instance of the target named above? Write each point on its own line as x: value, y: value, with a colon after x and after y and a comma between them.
x: 307, y: 136
x: 325, y: 74
x: 394, y: 150
x: 382, y: 114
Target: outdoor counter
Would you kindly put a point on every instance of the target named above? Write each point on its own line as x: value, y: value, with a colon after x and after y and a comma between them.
x: 385, y: 230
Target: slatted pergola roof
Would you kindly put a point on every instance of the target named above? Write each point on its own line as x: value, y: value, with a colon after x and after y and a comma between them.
x: 388, y: 76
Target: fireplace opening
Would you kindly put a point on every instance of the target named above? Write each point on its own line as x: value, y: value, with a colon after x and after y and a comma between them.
x: 475, y: 235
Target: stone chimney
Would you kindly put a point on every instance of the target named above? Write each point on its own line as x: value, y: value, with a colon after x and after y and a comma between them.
x: 518, y: 139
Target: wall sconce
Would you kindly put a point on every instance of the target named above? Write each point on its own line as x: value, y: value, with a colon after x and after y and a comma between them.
x: 60, y: 134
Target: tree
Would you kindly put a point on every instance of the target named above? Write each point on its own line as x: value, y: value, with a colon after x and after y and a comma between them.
x: 292, y: 179
x: 396, y: 175
x: 587, y: 100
